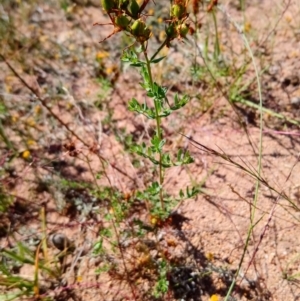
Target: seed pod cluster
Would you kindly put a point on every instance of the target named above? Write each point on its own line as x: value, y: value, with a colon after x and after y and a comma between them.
x: 178, y: 28
x: 125, y: 16
x: 130, y: 7
x: 140, y: 30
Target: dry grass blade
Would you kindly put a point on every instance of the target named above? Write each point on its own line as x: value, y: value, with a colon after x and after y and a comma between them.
x: 248, y: 171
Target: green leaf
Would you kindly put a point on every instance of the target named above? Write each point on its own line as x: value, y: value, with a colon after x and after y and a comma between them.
x: 133, y: 8
x: 131, y: 57
x: 157, y: 144
x: 162, y: 284
x: 166, y: 160
x: 154, y: 189
x: 3, y: 109
x: 140, y: 64
x: 146, y: 77
x: 155, y: 61
x: 179, y: 102
x: 179, y: 154
x: 98, y: 247
x: 134, y: 105
x: 165, y: 113
x: 193, y: 192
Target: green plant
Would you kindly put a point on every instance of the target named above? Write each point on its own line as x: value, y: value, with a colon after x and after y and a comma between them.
x: 126, y: 16
x: 287, y: 274
x: 162, y: 284
x: 5, y: 200
x: 20, y: 255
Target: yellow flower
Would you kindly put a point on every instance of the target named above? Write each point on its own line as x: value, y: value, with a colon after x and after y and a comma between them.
x: 109, y: 70
x: 294, y: 54
x: 288, y: 19
x: 72, y: 47
x: 31, y: 142
x: 14, y: 118
x: 144, y: 259
x: 26, y: 154
x: 162, y: 36
x: 209, y: 256
x: 37, y: 110
x: 69, y: 105
x: 8, y: 89
x: 151, y: 12
x: 43, y: 38
x: 112, y: 69
x: 214, y: 298
x: 153, y: 220
x: 30, y: 121
x: 102, y: 55
x: 247, y: 27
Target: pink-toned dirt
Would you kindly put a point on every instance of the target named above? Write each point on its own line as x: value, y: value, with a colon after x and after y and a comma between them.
x: 241, y: 212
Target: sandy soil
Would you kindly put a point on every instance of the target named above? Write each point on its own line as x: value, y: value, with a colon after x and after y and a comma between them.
x: 58, y: 54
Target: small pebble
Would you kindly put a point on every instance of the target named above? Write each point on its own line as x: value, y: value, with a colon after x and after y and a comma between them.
x: 295, y: 102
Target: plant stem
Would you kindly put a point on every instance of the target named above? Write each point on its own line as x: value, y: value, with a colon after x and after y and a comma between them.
x: 158, y: 126
x: 159, y: 49
x: 217, y: 44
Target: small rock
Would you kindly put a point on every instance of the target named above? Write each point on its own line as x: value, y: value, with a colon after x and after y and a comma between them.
x: 295, y: 102
x: 274, y: 70
x: 295, y: 81
x: 61, y: 242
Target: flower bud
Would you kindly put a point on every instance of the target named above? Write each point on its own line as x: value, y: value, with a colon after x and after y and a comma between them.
x: 178, y: 11
x: 122, y: 21
x: 147, y: 33
x: 171, y: 31
x: 123, y: 4
x: 108, y: 5
x: 140, y: 30
x: 183, y: 29
x: 138, y: 27
x: 134, y: 8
